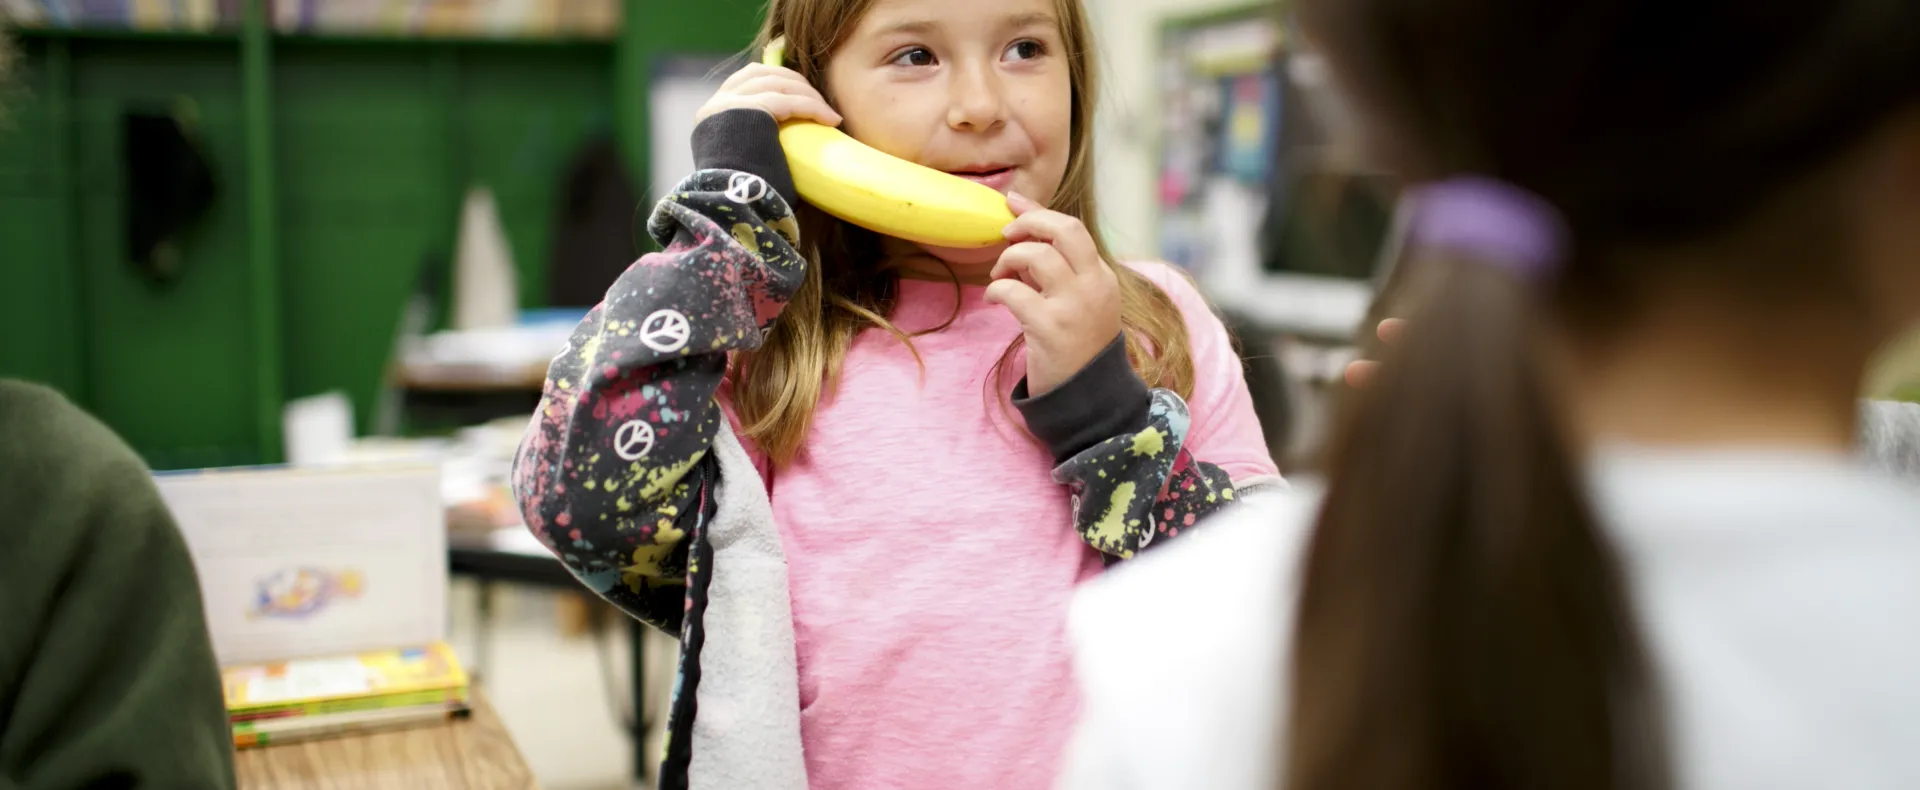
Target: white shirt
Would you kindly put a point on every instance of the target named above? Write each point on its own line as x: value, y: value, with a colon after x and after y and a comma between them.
x: 1779, y: 593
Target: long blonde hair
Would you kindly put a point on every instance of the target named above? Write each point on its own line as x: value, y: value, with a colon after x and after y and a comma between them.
x: 777, y: 387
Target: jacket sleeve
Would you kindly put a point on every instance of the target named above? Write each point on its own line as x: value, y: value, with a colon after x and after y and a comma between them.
x: 614, y: 474
x: 1120, y: 448
x: 107, y: 671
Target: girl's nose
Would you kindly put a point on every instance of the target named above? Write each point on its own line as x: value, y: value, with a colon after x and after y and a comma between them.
x: 974, y: 100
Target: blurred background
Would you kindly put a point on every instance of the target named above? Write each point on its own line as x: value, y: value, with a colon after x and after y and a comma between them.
x: 353, y: 231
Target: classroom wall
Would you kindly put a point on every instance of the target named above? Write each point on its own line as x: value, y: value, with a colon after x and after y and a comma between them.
x: 39, y: 314
x: 376, y: 146
x: 168, y: 365
x: 373, y: 143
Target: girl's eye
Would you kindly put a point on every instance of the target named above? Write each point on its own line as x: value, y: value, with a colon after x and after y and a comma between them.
x: 917, y: 56
x: 1026, y: 50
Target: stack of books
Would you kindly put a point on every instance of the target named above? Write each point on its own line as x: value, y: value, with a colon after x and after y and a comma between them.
x: 506, y: 18
x: 123, y: 14
x: 297, y: 700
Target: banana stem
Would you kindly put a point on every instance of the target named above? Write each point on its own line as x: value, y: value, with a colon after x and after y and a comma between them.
x: 776, y: 52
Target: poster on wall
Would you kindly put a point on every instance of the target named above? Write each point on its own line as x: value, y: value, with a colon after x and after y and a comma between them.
x: 1256, y: 181
x: 1249, y: 125
x: 1221, y: 95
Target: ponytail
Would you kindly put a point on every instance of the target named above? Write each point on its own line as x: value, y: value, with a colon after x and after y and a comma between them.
x: 1463, y: 621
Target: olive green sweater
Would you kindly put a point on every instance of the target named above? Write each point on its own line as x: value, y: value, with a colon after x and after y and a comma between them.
x: 107, y: 675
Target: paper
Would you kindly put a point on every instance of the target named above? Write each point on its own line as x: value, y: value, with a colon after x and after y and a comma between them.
x: 297, y: 563
x: 318, y: 429
x: 486, y: 286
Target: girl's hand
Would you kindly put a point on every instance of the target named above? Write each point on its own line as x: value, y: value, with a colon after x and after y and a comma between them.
x: 1065, y: 297
x: 780, y: 92
x: 1360, y: 371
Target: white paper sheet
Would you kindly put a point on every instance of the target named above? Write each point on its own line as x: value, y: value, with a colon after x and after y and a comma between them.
x: 317, y: 429
x: 300, y: 563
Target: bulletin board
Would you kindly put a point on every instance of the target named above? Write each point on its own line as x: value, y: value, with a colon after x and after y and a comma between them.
x: 1222, y: 109
x: 1248, y: 178
x: 1261, y: 197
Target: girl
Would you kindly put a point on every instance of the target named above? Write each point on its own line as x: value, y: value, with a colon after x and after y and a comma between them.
x: 790, y: 441
x: 1596, y: 522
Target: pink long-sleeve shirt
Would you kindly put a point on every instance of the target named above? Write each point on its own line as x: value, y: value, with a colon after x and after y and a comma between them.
x: 931, y: 555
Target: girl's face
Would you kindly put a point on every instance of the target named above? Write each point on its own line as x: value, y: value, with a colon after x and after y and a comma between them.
x: 977, y: 88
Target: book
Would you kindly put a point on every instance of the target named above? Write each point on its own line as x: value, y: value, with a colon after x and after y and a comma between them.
x: 303, y: 698
x: 267, y: 732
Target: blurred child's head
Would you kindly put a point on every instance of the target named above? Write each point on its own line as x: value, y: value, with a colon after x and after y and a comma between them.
x: 1002, y: 91
x: 1753, y: 144
x: 1739, y: 184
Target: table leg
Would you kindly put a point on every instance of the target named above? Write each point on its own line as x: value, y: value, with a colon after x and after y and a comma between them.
x: 642, y: 715
x: 483, y: 633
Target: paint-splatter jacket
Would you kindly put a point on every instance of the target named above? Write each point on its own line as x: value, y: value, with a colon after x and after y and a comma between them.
x: 631, y: 475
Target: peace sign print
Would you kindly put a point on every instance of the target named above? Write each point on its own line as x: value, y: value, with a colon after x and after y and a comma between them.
x: 633, y: 440
x: 666, y: 331
x: 745, y: 188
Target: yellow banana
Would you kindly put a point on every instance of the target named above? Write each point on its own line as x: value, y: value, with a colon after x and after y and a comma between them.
x: 883, y: 193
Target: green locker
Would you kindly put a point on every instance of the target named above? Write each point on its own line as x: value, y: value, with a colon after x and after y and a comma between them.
x: 39, y: 294
x: 342, y: 163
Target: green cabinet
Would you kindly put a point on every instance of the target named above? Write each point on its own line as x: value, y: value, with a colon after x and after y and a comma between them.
x: 342, y: 163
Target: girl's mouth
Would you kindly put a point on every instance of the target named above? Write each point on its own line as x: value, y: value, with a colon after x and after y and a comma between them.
x: 999, y: 179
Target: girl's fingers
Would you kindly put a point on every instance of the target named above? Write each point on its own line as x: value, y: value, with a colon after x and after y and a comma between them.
x: 1019, y: 298
x: 742, y: 74
x: 1390, y: 329
x: 1066, y: 234
x: 1361, y: 372
x: 791, y: 85
x: 1021, y: 204
x: 780, y: 91
x: 786, y: 107
x: 753, y: 71
x: 1033, y: 261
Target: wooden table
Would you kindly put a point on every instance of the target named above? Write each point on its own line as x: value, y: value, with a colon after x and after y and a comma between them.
x: 511, y: 555
x: 475, y: 754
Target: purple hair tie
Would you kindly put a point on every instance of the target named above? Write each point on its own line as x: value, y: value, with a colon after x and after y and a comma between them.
x: 1489, y: 219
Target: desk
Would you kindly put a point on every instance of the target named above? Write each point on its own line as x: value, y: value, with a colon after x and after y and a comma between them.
x: 474, y: 754
x: 438, y: 397
x: 473, y: 378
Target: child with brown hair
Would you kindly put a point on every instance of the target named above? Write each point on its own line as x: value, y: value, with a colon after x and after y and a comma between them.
x: 1598, y: 520
x: 789, y: 439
